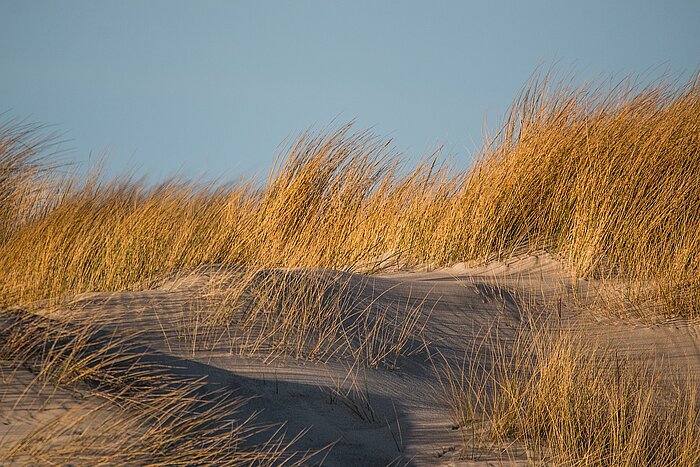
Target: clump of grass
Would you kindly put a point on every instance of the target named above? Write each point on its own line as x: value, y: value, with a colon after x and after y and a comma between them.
x: 569, y: 402
x: 22, y: 175
x: 307, y: 314
x: 606, y: 177
x: 65, y: 353
x: 142, y: 414
x: 172, y: 428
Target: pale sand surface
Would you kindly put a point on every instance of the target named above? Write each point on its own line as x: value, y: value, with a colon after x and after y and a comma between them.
x: 408, y: 422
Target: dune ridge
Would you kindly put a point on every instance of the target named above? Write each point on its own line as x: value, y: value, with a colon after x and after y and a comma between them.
x: 539, y: 307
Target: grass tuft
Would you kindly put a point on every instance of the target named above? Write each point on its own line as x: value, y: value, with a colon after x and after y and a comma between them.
x: 570, y: 402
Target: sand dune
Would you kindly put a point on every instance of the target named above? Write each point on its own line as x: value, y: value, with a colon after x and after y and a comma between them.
x: 361, y: 416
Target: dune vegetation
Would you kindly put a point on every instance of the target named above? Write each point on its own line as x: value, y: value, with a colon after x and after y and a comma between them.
x: 568, y: 402
x: 606, y: 179
x: 143, y: 415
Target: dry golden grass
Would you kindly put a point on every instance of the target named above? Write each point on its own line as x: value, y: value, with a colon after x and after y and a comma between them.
x: 143, y: 414
x: 313, y: 315
x: 567, y: 401
x: 23, y: 170
x: 174, y: 428
x: 607, y: 178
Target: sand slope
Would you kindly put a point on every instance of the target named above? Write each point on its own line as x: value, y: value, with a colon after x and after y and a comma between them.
x: 369, y: 416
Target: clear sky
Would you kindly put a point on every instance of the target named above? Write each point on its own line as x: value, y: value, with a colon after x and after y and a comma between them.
x: 213, y: 87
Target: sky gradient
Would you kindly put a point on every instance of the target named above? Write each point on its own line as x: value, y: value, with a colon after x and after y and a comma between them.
x: 213, y: 87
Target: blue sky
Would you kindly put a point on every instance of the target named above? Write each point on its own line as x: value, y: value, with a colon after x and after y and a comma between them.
x: 213, y: 87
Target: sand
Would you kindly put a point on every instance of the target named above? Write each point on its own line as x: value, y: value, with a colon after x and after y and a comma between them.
x: 390, y: 415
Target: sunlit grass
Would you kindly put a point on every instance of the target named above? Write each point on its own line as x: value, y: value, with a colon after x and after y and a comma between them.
x: 569, y: 401
x: 606, y: 178
x: 132, y: 410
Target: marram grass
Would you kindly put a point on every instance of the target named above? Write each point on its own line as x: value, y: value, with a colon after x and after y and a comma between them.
x: 609, y: 179
x: 568, y: 401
